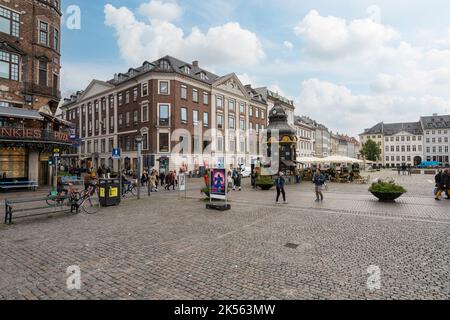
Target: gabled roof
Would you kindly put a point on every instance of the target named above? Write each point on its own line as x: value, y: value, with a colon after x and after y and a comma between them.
x: 233, y: 77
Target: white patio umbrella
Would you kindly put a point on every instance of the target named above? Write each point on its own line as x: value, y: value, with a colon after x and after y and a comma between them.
x: 339, y: 159
x: 308, y: 160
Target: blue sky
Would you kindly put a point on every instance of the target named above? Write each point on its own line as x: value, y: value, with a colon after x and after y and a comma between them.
x: 347, y: 64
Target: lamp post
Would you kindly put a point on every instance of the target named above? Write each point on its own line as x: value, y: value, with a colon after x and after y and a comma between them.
x: 139, y: 150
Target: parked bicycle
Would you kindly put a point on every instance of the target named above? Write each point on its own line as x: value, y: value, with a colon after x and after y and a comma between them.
x: 87, y: 199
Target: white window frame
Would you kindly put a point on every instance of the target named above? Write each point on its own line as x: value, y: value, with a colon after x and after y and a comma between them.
x: 157, y: 111
x: 168, y: 87
x: 142, y: 112
x: 142, y: 89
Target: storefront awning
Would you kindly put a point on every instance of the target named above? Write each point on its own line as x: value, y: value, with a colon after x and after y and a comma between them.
x: 288, y: 163
x: 12, y: 112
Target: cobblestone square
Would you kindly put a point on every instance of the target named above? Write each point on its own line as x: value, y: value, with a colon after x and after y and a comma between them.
x: 168, y: 247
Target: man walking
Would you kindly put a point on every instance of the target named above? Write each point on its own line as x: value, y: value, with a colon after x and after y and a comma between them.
x: 280, y: 182
x: 446, y: 182
x: 319, y: 181
x: 440, y: 184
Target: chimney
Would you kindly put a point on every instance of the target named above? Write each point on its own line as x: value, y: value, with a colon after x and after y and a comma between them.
x: 116, y: 77
x: 195, y: 63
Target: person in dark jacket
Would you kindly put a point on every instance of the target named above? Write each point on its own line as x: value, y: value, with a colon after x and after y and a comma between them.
x: 446, y: 182
x: 440, y: 184
x: 162, y: 178
x: 238, y: 180
x: 319, y: 181
x: 279, y: 183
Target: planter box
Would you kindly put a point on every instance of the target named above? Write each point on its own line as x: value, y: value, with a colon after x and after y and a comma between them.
x: 387, y: 196
x: 430, y: 172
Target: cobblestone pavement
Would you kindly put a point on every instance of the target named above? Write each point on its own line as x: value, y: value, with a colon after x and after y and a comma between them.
x: 166, y: 247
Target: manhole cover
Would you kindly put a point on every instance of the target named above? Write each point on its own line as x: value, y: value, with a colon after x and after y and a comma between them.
x: 291, y: 245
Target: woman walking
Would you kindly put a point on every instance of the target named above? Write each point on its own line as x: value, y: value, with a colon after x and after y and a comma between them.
x: 280, y: 182
x: 319, y: 181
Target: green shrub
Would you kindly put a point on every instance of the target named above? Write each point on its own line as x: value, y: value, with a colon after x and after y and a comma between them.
x: 386, y: 187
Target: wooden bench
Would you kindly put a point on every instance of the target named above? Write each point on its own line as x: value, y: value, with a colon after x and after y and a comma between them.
x: 10, y: 185
x: 58, y: 206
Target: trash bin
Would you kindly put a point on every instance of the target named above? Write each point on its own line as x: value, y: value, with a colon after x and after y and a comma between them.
x: 109, y: 194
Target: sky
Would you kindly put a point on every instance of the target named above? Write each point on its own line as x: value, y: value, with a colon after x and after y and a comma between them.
x: 347, y: 64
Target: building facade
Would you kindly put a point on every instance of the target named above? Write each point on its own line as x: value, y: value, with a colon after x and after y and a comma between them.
x: 375, y: 134
x: 273, y: 97
x: 436, y: 130
x: 305, y: 137
x: 29, y: 88
x: 323, y: 141
x: 178, y: 108
x: 403, y: 144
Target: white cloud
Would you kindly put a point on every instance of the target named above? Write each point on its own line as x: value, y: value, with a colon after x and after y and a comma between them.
x: 334, y: 37
x: 246, y: 79
x: 159, y: 10
x: 340, y: 109
x: 288, y: 45
x: 227, y: 44
x: 78, y: 76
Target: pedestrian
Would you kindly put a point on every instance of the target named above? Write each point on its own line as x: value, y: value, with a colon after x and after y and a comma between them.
x: 172, y: 180
x: 446, y: 180
x: 144, y: 178
x: 162, y: 178
x: 238, y: 180
x: 279, y: 183
x: 319, y: 181
x: 399, y: 169
x: 440, y: 184
x: 229, y: 180
x: 153, y: 180
x: 234, y: 176
x: 253, y: 178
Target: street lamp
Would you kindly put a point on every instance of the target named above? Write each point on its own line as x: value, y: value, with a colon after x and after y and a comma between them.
x: 139, y: 150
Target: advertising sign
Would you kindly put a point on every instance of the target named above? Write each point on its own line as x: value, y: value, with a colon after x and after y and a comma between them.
x: 218, y: 183
x: 182, y: 182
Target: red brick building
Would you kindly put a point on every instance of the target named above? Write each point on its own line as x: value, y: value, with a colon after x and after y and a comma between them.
x: 177, y: 107
x: 29, y: 88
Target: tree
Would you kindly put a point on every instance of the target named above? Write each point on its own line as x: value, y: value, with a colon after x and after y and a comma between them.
x: 370, y: 150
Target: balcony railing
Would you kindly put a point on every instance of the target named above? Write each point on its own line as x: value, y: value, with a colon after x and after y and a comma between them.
x: 33, y: 88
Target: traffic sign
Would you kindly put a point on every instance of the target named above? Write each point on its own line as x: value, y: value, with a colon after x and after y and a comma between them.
x: 116, y: 154
x: 56, y: 150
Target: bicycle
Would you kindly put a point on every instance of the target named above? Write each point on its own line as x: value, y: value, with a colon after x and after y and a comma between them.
x: 87, y: 199
x: 129, y: 188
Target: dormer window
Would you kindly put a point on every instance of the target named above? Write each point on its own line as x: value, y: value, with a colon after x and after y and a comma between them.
x: 187, y: 70
x: 147, y: 66
x: 203, y: 76
x: 164, y: 64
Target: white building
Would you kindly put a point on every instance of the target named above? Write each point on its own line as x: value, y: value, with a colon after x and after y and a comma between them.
x: 403, y: 144
x: 306, y: 135
x: 436, y: 130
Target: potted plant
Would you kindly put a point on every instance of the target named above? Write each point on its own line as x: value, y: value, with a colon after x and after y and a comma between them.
x: 387, y: 191
x: 264, y: 182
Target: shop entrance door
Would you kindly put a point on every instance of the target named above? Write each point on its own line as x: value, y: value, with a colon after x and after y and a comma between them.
x: 43, y: 173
